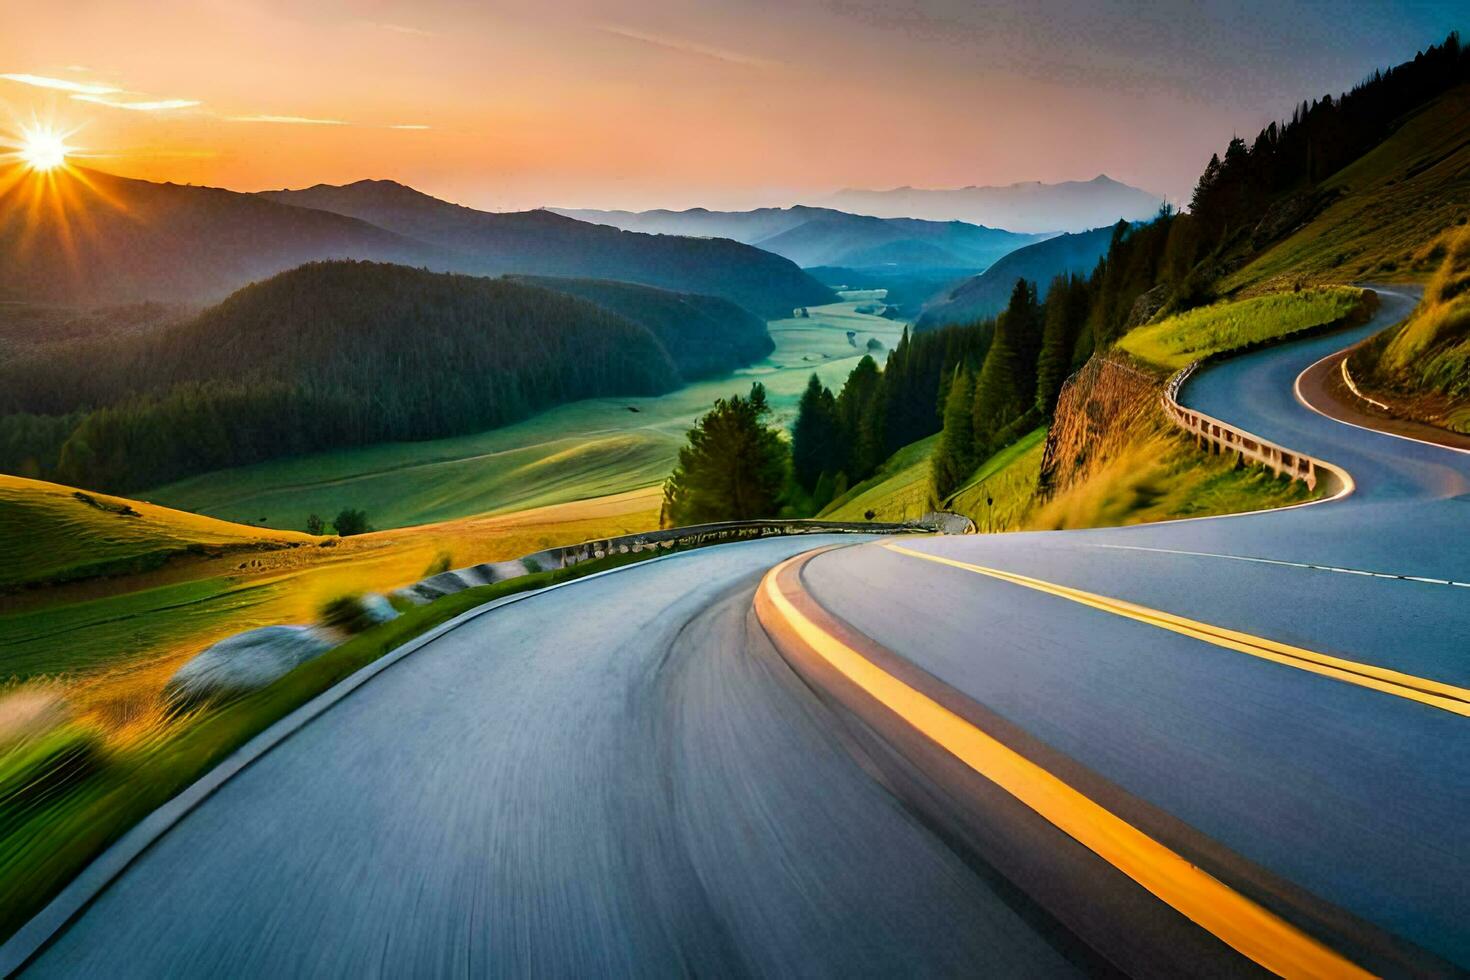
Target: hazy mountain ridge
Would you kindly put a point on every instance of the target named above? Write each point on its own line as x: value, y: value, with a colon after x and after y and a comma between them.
x: 1034, y: 207
x: 986, y: 295
x: 816, y: 236
x: 546, y: 243
x: 85, y: 237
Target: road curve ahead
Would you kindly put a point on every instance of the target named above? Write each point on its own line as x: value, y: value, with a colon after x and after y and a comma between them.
x: 613, y: 778
x: 1290, y: 687
x: 1137, y: 750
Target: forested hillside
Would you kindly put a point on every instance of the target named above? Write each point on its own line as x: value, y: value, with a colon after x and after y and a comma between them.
x: 704, y: 335
x: 549, y: 244
x: 328, y: 355
x: 986, y: 295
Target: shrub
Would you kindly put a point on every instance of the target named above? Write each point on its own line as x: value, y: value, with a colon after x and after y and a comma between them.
x: 349, y: 522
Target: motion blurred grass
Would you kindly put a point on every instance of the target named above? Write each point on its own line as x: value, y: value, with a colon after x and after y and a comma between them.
x: 65, y: 794
x: 1007, y: 481
x: 1178, y: 340
x: 1423, y: 365
x: 1160, y: 475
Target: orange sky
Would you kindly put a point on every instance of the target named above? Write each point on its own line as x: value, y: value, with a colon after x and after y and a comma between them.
x: 657, y: 103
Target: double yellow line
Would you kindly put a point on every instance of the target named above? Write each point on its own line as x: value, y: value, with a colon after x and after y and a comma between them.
x: 1446, y: 697
x: 1245, y: 926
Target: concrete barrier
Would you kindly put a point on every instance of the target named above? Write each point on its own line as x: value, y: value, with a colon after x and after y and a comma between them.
x: 1216, y: 436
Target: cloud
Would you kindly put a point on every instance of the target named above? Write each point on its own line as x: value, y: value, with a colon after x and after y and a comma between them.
x: 289, y: 120
x: 161, y: 105
x: 41, y: 81
x: 687, y: 47
x: 409, y: 126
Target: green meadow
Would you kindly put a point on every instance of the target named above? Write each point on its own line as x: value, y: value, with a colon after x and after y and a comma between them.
x: 573, y: 452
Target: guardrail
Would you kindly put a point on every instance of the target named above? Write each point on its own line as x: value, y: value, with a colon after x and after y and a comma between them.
x: 1220, y: 437
x: 670, y: 539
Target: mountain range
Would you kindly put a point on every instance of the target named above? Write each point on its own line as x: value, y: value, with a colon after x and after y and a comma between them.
x: 1074, y: 205
x: 83, y: 236
x: 813, y: 236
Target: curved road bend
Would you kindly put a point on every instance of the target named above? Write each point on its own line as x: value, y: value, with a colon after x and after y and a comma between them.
x: 1356, y: 795
x: 624, y: 777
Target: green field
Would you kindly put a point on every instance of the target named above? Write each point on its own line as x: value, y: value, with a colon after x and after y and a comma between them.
x: 1179, y: 340
x: 573, y: 452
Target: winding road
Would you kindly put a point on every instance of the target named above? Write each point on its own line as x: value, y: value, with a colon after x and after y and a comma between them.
x: 1216, y: 747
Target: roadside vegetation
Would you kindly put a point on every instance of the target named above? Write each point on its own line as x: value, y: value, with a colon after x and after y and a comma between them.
x: 1422, y: 367
x: 1179, y: 340
x: 67, y: 792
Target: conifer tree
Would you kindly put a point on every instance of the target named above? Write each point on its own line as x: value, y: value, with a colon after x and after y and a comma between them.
x: 954, y: 458
x: 733, y: 468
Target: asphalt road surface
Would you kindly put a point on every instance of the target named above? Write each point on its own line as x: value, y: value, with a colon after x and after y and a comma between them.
x: 625, y: 777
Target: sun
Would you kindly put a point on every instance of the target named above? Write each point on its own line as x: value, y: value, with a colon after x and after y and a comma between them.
x: 44, y: 149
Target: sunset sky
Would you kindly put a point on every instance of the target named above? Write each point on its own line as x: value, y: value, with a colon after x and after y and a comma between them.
x: 649, y: 103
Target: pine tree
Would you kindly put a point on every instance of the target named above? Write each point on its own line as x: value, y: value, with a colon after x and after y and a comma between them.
x: 816, y: 437
x: 733, y: 468
x: 954, y: 458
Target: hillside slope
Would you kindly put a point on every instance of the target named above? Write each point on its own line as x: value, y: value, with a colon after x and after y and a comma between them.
x: 549, y: 244
x: 705, y: 335
x: 1387, y: 216
x: 327, y: 355
x: 83, y: 236
x: 986, y: 294
x: 51, y: 534
x: 827, y: 237
x: 1073, y: 205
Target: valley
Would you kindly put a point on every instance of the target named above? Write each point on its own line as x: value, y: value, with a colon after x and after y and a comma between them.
x: 583, y: 450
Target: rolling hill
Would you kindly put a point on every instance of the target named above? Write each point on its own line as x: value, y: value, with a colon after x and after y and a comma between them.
x: 986, y: 294
x: 1074, y: 205
x: 549, y: 244
x: 327, y: 355
x: 812, y: 236
x: 705, y: 335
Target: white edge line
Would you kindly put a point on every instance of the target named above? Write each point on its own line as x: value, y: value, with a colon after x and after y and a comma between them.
x: 103, y: 870
x: 1297, y: 390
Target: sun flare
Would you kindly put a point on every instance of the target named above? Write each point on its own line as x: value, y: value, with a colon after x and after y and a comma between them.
x: 44, y: 149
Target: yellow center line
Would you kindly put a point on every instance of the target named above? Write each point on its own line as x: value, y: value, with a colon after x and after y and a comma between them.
x: 1435, y: 694
x: 1240, y: 923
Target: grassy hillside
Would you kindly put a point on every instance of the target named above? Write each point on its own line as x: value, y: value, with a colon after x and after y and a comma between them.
x: 1392, y: 210
x: 1176, y: 341
x: 1422, y: 367
x: 705, y: 335
x: 900, y: 490
x: 572, y: 452
x: 327, y: 355
x: 51, y: 533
